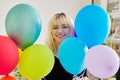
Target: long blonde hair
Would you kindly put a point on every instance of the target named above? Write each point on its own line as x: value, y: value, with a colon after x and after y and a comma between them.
x: 50, y: 40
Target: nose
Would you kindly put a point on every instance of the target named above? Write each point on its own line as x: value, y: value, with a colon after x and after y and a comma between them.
x: 60, y: 29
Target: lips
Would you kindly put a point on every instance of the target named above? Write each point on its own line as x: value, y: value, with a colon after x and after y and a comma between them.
x: 61, y: 35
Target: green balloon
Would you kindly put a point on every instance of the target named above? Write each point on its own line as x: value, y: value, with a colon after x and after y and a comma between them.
x: 23, y: 25
x: 36, y: 62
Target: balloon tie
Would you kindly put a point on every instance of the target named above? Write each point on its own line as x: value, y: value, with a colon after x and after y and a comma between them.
x: 75, y: 77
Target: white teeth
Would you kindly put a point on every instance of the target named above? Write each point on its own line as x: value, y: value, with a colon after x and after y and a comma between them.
x: 61, y: 35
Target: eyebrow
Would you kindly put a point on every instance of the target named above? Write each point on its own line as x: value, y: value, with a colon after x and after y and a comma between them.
x: 64, y: 24
x: 55, y: 25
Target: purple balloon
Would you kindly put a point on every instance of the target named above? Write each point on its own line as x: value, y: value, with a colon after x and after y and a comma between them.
x: 102, y: 61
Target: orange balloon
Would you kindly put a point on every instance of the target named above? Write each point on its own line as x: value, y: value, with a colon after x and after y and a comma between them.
x: 7, y: 77
x: 20, y: 52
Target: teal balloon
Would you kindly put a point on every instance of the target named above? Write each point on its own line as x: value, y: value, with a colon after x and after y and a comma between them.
x: 71, y: 54
x: 23, y: 25
x: 92, y: 25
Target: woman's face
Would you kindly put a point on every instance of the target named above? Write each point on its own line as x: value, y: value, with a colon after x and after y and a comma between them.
x: 60, y: 31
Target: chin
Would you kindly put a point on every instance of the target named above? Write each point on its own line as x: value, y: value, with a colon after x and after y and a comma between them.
x: 60, y: 40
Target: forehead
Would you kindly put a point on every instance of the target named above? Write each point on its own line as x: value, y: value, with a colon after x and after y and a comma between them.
x: 59, y: 20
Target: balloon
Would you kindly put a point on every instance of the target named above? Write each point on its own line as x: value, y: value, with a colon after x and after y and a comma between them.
x: 23, y: 25
x: 20, y: 52
x: 36, y: 61
x: 71, y: 54
x: 102, y: 61
x: 92, y: 25
x: 8, y: 55
x: 7, y: 77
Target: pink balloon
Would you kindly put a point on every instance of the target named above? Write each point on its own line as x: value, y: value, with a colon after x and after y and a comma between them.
x: 102, y: 61
x: 8, y: 55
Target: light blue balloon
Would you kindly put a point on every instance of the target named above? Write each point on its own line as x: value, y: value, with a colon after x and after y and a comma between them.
x: 23, y: 25
x: 92, y: 25
x: 71, y: 54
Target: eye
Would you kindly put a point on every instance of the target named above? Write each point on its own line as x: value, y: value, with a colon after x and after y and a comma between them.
x: 55, y: 27
x: 64, y: 26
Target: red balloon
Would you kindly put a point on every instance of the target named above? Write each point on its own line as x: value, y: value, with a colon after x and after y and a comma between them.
x: 7, y: 77
x: 8, y: 55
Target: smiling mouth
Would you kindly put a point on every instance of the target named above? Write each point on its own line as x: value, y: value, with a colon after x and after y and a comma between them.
x: 61, y: 36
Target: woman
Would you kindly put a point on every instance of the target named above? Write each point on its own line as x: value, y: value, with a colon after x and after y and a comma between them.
x: 60, y: 28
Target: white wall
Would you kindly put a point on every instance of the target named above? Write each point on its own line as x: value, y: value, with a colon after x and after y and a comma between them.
x: 46, y: 9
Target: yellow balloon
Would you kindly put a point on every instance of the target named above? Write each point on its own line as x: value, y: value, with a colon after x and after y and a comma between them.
x: 36, y: 61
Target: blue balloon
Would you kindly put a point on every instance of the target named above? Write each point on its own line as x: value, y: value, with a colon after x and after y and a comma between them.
x: 71, y: 54
x: 92, y: 25
x: 23, y: 25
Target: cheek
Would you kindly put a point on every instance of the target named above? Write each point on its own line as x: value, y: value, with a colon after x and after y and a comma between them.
x: 53, y: 34
x: 68, y: 31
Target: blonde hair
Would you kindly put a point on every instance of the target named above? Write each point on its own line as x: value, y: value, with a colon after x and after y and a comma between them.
x: 50, y: 40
